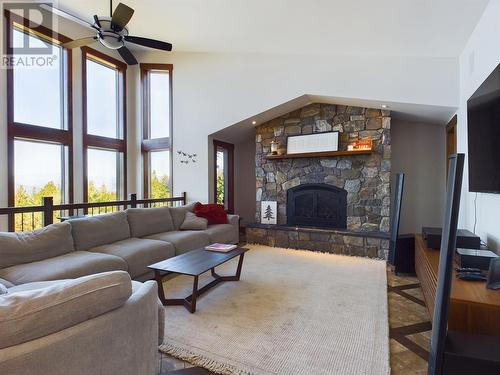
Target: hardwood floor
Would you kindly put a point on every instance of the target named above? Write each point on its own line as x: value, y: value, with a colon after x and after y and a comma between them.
x: 409, y: 325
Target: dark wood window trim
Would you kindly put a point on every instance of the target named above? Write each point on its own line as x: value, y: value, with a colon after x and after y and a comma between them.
x: 99, y: 142
x: 229, y: 147
x: 156, y: 144
x: 16, y: 130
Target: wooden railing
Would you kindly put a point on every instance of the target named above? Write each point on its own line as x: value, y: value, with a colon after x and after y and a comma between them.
x: 48, y: 212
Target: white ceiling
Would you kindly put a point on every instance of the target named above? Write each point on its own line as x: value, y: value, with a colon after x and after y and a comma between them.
x: 358, y: 27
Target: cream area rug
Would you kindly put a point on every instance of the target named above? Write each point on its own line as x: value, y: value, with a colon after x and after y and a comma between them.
x: 292, y: 312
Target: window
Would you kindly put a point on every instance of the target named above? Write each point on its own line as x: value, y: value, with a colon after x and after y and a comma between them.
x: 156, y: 80
x: 39, y: 126
x: 159, y: 165
x: 224, y: 174
x: 104, y: 136
x: 104, y: 178
x: 29, y: 106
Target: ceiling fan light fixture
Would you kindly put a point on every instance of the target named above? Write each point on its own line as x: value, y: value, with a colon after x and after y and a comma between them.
x: 111, y: 40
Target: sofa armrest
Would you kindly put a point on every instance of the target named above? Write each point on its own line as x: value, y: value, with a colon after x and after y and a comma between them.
x: 234, y: 220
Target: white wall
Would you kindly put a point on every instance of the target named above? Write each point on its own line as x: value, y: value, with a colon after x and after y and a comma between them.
x: 244, y: 175
x: 479, y: 58
x: 213, y: 91
x: 419, y: 150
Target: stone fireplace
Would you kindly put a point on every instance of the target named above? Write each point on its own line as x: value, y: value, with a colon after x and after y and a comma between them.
x: 317, y: 205
x: 336, y: 204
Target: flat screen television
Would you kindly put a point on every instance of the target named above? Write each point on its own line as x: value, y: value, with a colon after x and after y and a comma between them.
x: 483, y: 129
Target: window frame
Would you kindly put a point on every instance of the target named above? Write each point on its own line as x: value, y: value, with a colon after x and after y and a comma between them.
x: 154, y: 144
x: 229, y: 173
x: 32, y: 132
x: 101, y: 142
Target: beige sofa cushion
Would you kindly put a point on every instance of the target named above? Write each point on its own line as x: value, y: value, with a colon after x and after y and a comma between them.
x: 193, y: 222
x: 138, y: 253
x: 27, y: 315
x: 183, y: 241
x: 26, y: 247
x: 100, y: 230
x: 67, y: 266
x: 146, y: 221
x: 179, y: 214
x: 6, y: 283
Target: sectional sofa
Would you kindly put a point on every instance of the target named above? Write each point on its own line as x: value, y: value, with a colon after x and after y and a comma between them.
x: 67, y: 306
x: 127, y: 240
x: 97, y: 324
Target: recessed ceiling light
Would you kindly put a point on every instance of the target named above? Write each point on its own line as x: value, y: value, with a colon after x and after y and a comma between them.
x: 254, y: 122
x: 385, y: 106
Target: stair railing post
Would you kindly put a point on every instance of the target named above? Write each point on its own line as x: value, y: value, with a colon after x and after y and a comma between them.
x: 133, y: 200
x: 48, y: 210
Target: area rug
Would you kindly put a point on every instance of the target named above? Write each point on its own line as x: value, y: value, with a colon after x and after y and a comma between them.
x: 292, y: 312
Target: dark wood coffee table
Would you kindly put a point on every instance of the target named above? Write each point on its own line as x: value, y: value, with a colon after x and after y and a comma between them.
x: 194, y: 263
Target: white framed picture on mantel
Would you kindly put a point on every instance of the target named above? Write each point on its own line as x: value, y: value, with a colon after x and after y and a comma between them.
x: 268, y: 212
x: 308, y: 143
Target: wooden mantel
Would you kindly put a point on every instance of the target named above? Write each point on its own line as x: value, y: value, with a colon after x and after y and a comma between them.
x: 318, y: 154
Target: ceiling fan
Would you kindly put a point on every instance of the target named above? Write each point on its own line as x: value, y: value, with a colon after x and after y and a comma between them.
x: 111, y: 32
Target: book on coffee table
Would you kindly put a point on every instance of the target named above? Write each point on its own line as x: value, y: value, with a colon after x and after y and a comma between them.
x: 220, y: 247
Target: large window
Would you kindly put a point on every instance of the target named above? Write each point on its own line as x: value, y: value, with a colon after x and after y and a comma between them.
x: 104, y: 127
x: 39, y: 123
x: 156, y: 80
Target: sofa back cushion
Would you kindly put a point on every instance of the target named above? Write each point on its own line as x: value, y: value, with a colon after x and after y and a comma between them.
x: 92, y: 231
x: 179, y: 214
x: 147, y: 221
x: 30, y: 314
x: 27, y: 247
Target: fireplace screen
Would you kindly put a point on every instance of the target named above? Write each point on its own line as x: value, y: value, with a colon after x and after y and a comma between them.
x: 317, y: 205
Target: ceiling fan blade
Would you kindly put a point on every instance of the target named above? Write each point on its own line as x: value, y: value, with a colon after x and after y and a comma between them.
x: 80, y: 42
x: 127, y: 56
x: 149, y: 42
x: 121, y: 16
x: 67, y: 15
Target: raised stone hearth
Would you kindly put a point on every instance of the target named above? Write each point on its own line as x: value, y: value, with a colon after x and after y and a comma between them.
x: 366, y: 178
x: 369, y: 244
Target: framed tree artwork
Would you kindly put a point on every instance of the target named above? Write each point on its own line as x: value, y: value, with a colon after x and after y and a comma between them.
x: 268, y: 212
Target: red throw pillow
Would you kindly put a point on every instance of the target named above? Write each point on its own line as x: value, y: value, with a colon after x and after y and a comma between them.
x: 214, y: 213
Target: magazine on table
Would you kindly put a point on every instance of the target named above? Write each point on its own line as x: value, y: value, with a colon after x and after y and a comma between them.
x: 220, y: 247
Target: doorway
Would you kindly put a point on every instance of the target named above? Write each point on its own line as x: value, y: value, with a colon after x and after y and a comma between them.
x: 224, y: 174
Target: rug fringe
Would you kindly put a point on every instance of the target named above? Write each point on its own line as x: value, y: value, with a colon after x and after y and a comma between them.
x: 201, y: 361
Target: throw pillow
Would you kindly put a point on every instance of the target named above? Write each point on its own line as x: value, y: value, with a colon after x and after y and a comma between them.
x: 193, y: 222
x: 214, y: 213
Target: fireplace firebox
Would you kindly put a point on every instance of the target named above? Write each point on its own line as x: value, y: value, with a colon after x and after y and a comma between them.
x: 317, y: 205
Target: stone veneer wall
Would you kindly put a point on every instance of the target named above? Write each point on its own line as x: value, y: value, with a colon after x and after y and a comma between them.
x: 365, y: 177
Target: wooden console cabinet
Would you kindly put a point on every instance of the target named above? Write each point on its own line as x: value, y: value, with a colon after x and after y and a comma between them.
x: 473, y: 308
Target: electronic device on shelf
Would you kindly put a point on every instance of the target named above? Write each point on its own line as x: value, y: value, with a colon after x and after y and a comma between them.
x: 465, y: 238
x: 473, y: 258
x: 471, y: 276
